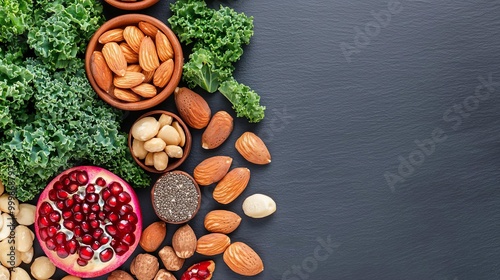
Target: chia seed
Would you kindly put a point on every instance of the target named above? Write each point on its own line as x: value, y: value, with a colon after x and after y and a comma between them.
x: 175, y: 197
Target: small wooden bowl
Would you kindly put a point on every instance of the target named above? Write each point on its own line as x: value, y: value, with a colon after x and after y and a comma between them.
x: 172, y: 163
x: 163, y: 93
x: 131, y: 6
x: 197, y: 190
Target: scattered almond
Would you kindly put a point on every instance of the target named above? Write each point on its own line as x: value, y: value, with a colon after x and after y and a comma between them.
x: 212, y: 170
x: 252, y: 148
x: 232, y: 185
x: 194, y: 110
x: 222, y: 221
x: 153, y: 236
x: 243, y: 260
x: 184, y: 242
x: 217, y: 131
x: 212, y: 244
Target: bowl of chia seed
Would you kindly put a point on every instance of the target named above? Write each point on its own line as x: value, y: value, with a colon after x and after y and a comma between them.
x: 176, y: 197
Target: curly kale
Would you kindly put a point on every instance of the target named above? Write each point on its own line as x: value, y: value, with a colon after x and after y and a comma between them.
x: 217, y: 37
x: 50, y: 117
x: 16, y: 18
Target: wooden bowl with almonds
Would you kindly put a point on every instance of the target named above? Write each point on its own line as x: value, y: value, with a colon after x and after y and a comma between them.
x: 134, y: 62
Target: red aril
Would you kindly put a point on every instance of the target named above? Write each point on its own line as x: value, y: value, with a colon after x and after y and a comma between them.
x: 200, y: 271
x: 88, y: 221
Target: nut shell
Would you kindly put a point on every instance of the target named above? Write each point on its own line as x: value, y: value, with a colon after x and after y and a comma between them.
x: 252, y: 148
x: 184, y: 242
x: 194, y: 110
x: 222, y: 221
x: 170, y: 259
x: 153, y: 236
x: 242, y: 259
x: 120, y: 275
x: 144, y: 267
x: 212, y: 170
x: 217, y: 131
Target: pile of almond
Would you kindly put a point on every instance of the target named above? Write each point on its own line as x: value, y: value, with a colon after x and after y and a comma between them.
x: 135, y: 62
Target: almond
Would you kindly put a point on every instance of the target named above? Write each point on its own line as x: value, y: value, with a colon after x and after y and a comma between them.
x: 217, y: 131
x: 212, y: 170
x: 130, y: 55
x: 163, y: 47
x: 170, y: 260
x: 222, y: 221
x: 129, y: 80
x: 148, y: 28
x: 212, y: 244
x: 184, y: 242
x: 194, y: 110
x: 163, y: 73
x: 252, y: 148
x: 133, y: 36
x: 134, y: 68
x: 114, y: 58
x: 126, y: 95
x: 153, y: 236
x: 113, y: 35
x: 149, y: 75
x: 242, y: 259
x: 232, y: 185
x: 145, y: 90
x: 100, y: 71
x: 148, y: 58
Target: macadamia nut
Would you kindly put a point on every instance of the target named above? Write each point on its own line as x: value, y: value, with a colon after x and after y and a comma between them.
x: 145, y: 128
x: 259, y: 206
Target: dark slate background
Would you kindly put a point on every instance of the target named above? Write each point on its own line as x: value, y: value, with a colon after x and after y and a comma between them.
x: 338, y: 122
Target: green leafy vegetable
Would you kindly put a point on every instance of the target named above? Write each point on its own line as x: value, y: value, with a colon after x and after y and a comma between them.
x: 50, y: 117
x: 218, y: 37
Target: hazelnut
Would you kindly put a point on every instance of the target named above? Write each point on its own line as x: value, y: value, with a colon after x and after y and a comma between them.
x: 144, y: 266
x: 120, y: 275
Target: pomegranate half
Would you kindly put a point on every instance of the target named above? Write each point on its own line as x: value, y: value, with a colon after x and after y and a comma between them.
x: 88, y: 221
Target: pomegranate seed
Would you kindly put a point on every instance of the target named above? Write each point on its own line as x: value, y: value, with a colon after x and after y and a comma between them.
x: 116, y: 188
x: 111, y: 230
x: 203, y: 273
x: 124, y: 197
x: 69, y: 225
x: 100, y: 182
x: 53, y: 195
x: 92, y: 197
x: 131, y: 217
x: 43, y: 222
x: 101, y: 215
x: 60, y: 238
x: 43, y: 234
x: 72, y: 175
x: 45, y: 208
x: 60, y: 205
x: 86, y: 253
x: 82, y: 178
x: 124, y: 226
x: 67, y: 214
x: 128, y: 239
x: 62, y: 194
x: 106, y: 255
x: 69, y: 202
x: 87, y: 239
x: 78, y: 198
x: 85, y: 226
x: 105, y: 194
x: 94, y: 223
x: 90, y: 188
x: 97, y: 233
x: 81, y: 262
x: 104, y: 240
x: 107, y: 208
x: 78, y: 216
x: 58, y: 185
x: 124, y: 209
x: 92, y: 216
x: 95, y: 245
x: 72, y: 246
x: 61, y: 251
x: 55, y: 217
x: 77, y: 231
x: 113, y: 217
x: 95, y: 207
x: 85, y: 208
x: 111, y: 202
x: 51, y: 231
x: 121, y: 249
x: 50, y: 244
x: 77, y: 208
x: 72, y: 188
x: 65, y: 180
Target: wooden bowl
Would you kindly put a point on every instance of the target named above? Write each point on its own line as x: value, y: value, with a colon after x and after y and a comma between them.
x: 163, y: 93
x: 197, y: 188
x: 131, y: 5
x: 172, y: 163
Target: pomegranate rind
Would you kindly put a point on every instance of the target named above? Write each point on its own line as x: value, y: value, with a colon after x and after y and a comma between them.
x: 92, y: 269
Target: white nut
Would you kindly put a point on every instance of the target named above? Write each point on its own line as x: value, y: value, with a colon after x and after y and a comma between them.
x: 42, y: 268
x: 5, y: 274
x: 20, y: 274
x: 138, y: 149
x: 174, y: 151
x: 145, y: 128
x: 181, y: 132
x: 8, y: 224
x: 23, y: 238
x: 9, y: 256
x: 258, y: 206
x: 154, y: 145
x: 160, y: 160
x: 165, y: 120
x: 170, y: 135
x: 9, y: 204
x: 26, y: 215
x: 27, y: 257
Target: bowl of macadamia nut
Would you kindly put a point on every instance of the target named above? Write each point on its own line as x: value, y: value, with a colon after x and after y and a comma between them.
x: 159, y: 141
